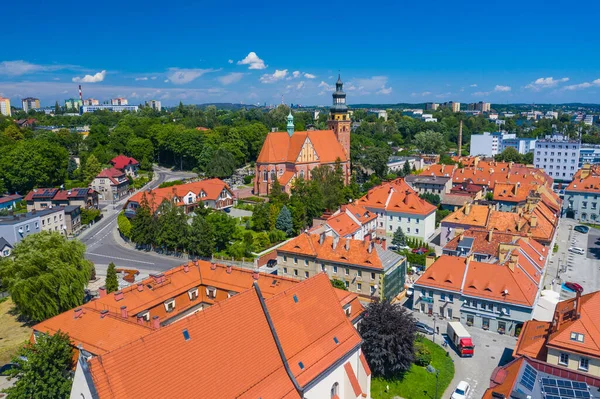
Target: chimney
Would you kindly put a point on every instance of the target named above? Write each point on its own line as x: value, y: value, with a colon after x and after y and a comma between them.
x: 78, y: 313
x: 384, y: 243
x: 255, y: 274
x: 533, y: 221
x: 512, y: 263
x: 336, y: 239
x: 118, y: 295
x: 213, y: 266
x: 158, y: 278
x: 347, y: 244
x: 155, y: 322
x: 578, y: 305
x: 460, y: 138
x: 517, y: 188
x: 103, y: 313
x: 186, y: 268
x: 229, y: 269
x: 140, y: 287
x: 490, y: 235
x: 102, y: 292
x: 467, y: 208
x: 140, y: 318
x: 371, y: 245
x: 124, y: 311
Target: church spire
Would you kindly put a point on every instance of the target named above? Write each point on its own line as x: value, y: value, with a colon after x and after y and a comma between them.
x: 290, y: 124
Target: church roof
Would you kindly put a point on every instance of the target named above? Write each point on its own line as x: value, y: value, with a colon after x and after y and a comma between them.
x: 280, y: 147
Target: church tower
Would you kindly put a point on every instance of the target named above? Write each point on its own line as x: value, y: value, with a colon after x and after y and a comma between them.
x: 339, y: 119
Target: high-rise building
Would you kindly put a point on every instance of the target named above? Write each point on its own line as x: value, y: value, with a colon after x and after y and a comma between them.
x: 452, y: 106
x: 154, y: 104
x: 558, y: 156
x: 30, y: 103
x: 5, y: 106
x: 431, y: 106
x: 91, y: 101
x: 73, y: 104
x: 480, y: 106
x: 118, y: 101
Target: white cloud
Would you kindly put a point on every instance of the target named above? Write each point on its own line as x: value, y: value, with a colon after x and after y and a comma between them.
x: 543, y: 83
x: 166, y: 80
x: 142, y: 78
x: 272, y: 78
x: 183, y: 75
x: 481, y: 93
x: 502, y: 88
x: 473, y: 85
x: 326, y: 86
x: 426, y: 93
x: 373, y: 84
x: 385, y: 90
x: 230, y: 78
x: 309, y: 76
x: 253, y: 61
x: 443, y: 95
x: 230, y: 61
x: 583, y: 85
x: 55, y: 78
x: 20, y: 67
x: 96, y: 78
x: 300, y: 85
x: 296, y: 74
x: 153, y: 78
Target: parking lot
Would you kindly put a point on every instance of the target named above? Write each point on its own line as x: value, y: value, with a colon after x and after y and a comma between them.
x: 491, y: 350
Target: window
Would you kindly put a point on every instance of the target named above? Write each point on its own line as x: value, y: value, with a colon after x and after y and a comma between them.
x: 372, y: 276
x: 335, y: 390
x: 430, y: 294
x: 450, y: 298
x: 305, y: 274
x: 563, y: 359
x: 584, y: 364
x: 285, y: 270
x: 373, y: 289
x: 347, y: 284
x: 295, y: 272
x: 323, y: 267
x: 335, y: 269
x: 417, y: 231
x: 193, y: 294
x: 470, y: 319
x: 305, y: 262
x: 284, y: 258
x: 359, y: 273
x: 408, y: 229
x: 347, y: 271
x: 170, y: 305
x: 358, y: 286
x: 295, y: 260
x: 211, y: 292
x: 37, y: 225
x: 576, y: 337
x: 443, y: 296
x: 391, y: 228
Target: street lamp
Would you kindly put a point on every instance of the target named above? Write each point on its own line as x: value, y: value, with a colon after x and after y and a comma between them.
x: 431, y: 369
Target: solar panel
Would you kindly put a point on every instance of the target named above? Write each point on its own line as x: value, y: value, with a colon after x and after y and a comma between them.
x: 528, y: 378
x: 564, y: 389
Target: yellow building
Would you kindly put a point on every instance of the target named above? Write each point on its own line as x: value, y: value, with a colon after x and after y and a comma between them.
x: 5, y: 106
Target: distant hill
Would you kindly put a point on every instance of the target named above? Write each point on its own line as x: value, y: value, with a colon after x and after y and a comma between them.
x: 228, y: 106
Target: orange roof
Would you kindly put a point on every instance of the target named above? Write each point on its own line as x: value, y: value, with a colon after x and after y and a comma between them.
x: 346, y: 250
x: 446, y: 272
x: 285, y: 177
x: 353, y: 380
x: 590, y: 184
x: 482, y: 243
x: 438, y: 170
x: 279, y: 147
x: 532, y: 339
x: 166, y: 364
x: 396, y: 196
x: 211, y: 187
x: 503, y: 379
x: 472, y: 215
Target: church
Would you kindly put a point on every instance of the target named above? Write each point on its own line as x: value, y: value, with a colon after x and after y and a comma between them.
x: 286, y: 156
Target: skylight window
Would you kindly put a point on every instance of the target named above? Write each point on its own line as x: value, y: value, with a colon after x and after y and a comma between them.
x: 186, y: 334
x: 336, y: 340
x: 301, y: 365
x: 295, y: 298
x: 577, y: 337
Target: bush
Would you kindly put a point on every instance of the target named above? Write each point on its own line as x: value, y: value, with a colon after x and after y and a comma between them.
x: 124, y: 225
x: 170, y: 183
x: 89, y: 215
x: 276, y: 236
x: 422, y: 354
x: 248, y: 179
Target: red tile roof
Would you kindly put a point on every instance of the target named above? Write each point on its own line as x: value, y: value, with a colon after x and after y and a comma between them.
x: 10, y: 198
x: 279, y: 147
x: 349, y: 219
x: 483, y: 241
x: 233, y: 338
x: 211, y: 187
x: 113, y: 174
x: 396, y: 196
x: 446, y: 272
x: 57, y: 194
x: 121, y: 161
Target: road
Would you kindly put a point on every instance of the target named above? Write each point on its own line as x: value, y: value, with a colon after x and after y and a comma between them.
x: 104, y: 245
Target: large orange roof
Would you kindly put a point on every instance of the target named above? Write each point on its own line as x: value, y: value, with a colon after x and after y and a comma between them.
x: 396, y: 196
x: 472, y: 215
x: 446, y: 272
x: 211, y: 187
x: 233, y: 338
x: 590, y: 184
x: 346, y: 250
x: 503, y: 379
x: 532, y: 339
x: 483, y: 241
x: 279, y: 147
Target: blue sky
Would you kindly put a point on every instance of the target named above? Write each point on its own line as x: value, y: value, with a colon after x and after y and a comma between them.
x: 387, y: 51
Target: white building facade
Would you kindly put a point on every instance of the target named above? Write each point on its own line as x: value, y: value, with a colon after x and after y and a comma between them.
x: 558, y: 156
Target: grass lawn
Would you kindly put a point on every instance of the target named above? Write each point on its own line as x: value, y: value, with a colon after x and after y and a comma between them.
x: 12, y: 333
x: 417, y: 382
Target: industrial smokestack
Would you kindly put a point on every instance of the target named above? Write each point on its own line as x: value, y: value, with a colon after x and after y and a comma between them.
x: 460, y: 139
x: 80, y: 94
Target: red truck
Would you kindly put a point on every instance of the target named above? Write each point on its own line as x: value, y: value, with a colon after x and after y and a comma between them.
x: 461, y: 339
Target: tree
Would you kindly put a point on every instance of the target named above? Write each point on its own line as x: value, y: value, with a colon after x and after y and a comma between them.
x: 277, y: 195
x: 224, y: 228
x: 44, y: 368
x: 56, y: 108
x: 71, y: 168
x: 202, y: 237
x: 172, y: 226
x: 260, y: 217
x: 339, y: 284
x: 92, y: 168
x: 46, y: 275
x: 112, y: 283
x: 221, y: 165
x: 406, y: 168
x: 430, y: 142
x: 388, y: 332
x: 89, y: 215
x: 433, y: 199
x: 284, y: 221
x: 399, y: 238
x: 142, y: 224
x: 510, y: 154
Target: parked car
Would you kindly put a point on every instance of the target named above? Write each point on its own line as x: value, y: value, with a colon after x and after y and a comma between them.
x: 424, y: 328
x: 272, y: 263
x: 8, y: 366
x: 577, y: 250
x: 462, y: 390
x: 574, y: 286
x: 581, y: 229
x: 420, y: 251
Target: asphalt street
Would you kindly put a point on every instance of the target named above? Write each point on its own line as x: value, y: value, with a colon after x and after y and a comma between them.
x: 104, y: 245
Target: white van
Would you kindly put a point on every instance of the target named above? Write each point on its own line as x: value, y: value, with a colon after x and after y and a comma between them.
x: 577, y: 250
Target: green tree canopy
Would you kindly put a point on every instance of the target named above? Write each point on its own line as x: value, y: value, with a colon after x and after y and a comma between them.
x: 284, y: 221
x: 388, y: 332
x: 399, y: 238
x: 430, y: 142
x: 44, y: 368
x: 46, y: 275
x: 224, y: 228
x: 112, y: 282
x: 92, y: 168
x: 143, y: 224
x: 221, y: 165
x: 339, y: 284
x: 202, y: 237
